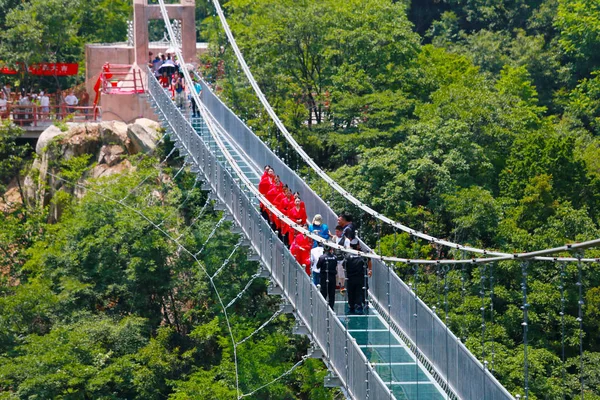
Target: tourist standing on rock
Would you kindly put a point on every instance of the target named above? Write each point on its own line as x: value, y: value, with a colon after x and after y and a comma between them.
x: 327, y: 264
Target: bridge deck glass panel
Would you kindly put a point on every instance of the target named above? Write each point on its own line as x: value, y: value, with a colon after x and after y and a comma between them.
x: 392, y: 360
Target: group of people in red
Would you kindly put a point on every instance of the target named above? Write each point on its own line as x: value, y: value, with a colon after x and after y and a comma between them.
x: 290, y: 204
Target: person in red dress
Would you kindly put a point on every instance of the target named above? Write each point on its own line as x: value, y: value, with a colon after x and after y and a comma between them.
x: 276, y: 189
x: 282, y: 204
x: 300, y: 249
x: 298, y: 215
x: 265, y: 184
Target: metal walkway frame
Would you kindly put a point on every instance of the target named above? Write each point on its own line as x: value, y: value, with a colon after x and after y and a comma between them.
x: 442, y: 354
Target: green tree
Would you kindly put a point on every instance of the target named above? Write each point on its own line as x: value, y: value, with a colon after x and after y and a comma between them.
x: 13, y: 158
x: 578, y: 23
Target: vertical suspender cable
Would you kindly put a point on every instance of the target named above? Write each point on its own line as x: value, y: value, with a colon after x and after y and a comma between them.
x: 416, y: 316
x: 463, y: 295
x: 580, y: 320
x: 492, y: 312
x: 389, y: 321
x: 482, y: 269
x: 525, y: 323
x: 447, y: 335
x: 562, y: 330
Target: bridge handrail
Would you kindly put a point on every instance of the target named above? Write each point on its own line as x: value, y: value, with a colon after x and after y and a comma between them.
x: 35, y: 115
x: 448, y: 357
x: 328, y: 332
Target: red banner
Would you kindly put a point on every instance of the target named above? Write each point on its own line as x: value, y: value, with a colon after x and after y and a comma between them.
x: 52, y: 69
x: 7, y: 71
x: 47, y: 69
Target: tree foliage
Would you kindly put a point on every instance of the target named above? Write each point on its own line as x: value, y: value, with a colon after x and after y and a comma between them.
x: 484, y: 133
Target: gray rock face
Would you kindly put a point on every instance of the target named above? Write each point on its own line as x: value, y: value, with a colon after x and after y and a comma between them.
x: 46, y: 137
x: 143, y: 136
x: 111, y: 154
x: 112, y: 132
x: 108, y: 142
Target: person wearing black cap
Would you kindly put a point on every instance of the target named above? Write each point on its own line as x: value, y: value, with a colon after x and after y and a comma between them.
x: 327, y: 264
x: 358, y: 270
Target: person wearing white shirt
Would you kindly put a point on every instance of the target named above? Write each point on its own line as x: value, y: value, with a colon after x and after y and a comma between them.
x: 315, y: 253
x: 3, y: 106
x: 45, y: 105
x: 71, y: 101
x: 341, y: 276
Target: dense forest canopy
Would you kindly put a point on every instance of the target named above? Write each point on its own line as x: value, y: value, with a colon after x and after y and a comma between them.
x: 472, y: 120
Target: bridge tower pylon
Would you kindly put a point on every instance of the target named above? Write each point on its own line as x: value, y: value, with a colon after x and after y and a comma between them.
x: 143, y: 13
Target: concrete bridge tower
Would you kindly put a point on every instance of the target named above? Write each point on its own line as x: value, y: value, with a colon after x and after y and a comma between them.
x: 185, y: 12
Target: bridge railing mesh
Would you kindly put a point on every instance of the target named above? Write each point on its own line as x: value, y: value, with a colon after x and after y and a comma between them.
x: 348, y: 362
x: 447, y: 358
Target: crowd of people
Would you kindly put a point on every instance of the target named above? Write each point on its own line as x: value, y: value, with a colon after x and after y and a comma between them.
x: 167, y: 71
x: 25, y: 107
x: 330, y: 270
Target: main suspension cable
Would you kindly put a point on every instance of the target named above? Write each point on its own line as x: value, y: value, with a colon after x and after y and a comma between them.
x: 348, y: 196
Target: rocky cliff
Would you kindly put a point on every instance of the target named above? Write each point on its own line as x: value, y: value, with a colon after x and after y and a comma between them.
x: 106, y: 145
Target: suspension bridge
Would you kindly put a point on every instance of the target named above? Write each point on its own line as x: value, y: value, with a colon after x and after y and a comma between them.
x: 401, y: 348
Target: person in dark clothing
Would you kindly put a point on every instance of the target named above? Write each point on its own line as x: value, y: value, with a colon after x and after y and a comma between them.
x: 355, y: 267
x: 358, y: 270
x: 345, y: 221
x: 327, y: 264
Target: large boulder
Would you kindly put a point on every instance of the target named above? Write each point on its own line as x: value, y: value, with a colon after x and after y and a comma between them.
x: 143, y: 136
x: 81, y: 139
x: 111, y: 154
x: 46, y: 137
x: 104, y: 170
x: 114, y: 132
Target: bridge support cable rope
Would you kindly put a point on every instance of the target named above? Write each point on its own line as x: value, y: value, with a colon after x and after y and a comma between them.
x: 322, y: 174
x: 242, y: 178
x: 181, y: 246
x: 286, y: 373
x: 227, y: 260
x: 561, y: 287
x: 151, y: 174
x: 210, y: 236
x: 244, y: 290
x: 492, y: 338
x: 380, y: 388
x: 267, y: 322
